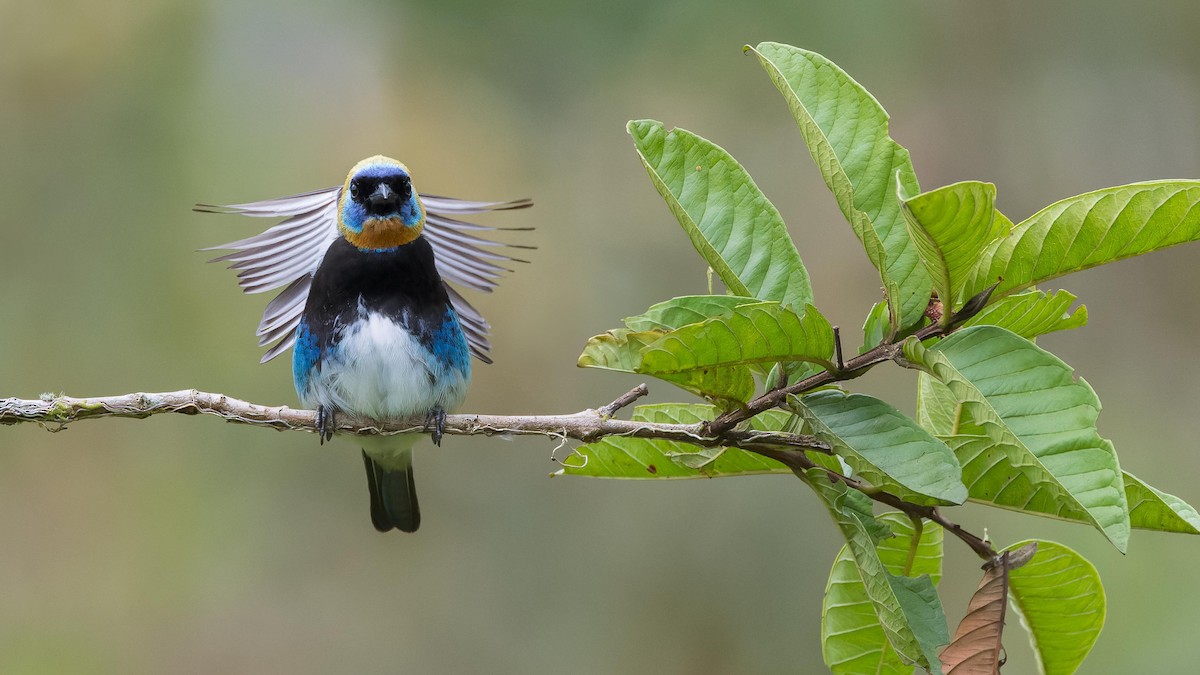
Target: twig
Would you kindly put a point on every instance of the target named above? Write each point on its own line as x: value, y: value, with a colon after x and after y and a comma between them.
x: 837, y: 348
x: 982, y: 548
x: 797, y: 461
x: 853, y: 368
x: 625, y: 399
x: 55, y: 412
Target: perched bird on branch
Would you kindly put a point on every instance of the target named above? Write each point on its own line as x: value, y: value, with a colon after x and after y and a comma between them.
x: 377, y: 332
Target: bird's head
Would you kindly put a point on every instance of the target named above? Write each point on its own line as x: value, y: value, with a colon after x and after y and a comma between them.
x: 378, y: 208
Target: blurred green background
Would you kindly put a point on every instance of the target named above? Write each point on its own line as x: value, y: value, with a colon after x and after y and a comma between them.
x: 185, y: 545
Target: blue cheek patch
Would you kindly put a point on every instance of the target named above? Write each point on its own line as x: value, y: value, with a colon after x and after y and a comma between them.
x: 353, y: 216
x: 450, y: 345
x: 305, y: 354
x: 411, y: 213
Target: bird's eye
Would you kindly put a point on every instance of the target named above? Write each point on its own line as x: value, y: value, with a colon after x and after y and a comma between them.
x: 403, y: 187
x: 354, y: 190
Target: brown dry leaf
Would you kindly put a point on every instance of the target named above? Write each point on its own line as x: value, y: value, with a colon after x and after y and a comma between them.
x: 976, y: 648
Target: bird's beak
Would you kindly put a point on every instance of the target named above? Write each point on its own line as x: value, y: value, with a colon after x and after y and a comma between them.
x: 383, y: 195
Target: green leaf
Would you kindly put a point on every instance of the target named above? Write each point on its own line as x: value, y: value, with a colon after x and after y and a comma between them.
x: 876, y: 327
x: 884, y: 447
x: 1025, y: 432
x: 732, y: 225
x: 847, y: 134
x: 1149, y: 508
x: 623, y: 457
x: 689, y: 309
x: 894, y: 551
x: 684, y: 310
x: 621, y: 350
x: 852, y: 640
x: 1152, y: 509
x: 1032, y: 313
x: 1061, y: 603
x: 923, y: 610
x: 766, y: 332
x: 937, y: 409
x: 850, y: 508
x: 950, y: 227
x: 908, y: 610
x: 1089, y: 230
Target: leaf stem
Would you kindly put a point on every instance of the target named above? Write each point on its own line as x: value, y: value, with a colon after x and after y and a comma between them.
x: 914, y: 543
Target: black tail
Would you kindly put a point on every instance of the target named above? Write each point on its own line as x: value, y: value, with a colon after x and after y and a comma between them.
x: 393, y: 498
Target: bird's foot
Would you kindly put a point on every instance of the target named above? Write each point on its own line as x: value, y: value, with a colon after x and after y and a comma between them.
x: 325, y: 423
x: 435, y: 423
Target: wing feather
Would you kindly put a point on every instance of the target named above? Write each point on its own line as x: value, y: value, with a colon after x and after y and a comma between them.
x: 282, y: 206
x: 453, y: 205
x: 285, y: 306
x: 288, y: 254
x: 281, y: 346
x: 446, y: 222
x: 474, y: 326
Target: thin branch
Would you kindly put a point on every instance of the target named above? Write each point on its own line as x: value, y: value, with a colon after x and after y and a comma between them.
x: 837, y: 348
x: 853, y: 368
x: 796, y: 460
x: 55, y: 412
x: 625, y: 399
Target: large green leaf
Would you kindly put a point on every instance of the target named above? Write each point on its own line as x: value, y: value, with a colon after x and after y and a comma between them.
x: 852, y: 640
x: 621, y: 350
x: 847, y: 134
x: 1032, y: 313
x: 732, y: 225
x: 907, y: 609
x: 1153, y: 509
x: 684, y: 310
x: 765, y: 332
x: 884, y: 447
x: 1149, y: 508
x: 624, y: 457
x: 1025, y: 429
x: 950, y: 227
x: 1089, y: 230
x: 1061, y: 603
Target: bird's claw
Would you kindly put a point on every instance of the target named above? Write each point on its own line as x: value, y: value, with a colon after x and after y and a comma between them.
x: 325, y: 423
x: 436, y: 418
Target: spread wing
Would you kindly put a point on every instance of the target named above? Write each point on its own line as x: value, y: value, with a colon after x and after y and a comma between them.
x: 287, y: 254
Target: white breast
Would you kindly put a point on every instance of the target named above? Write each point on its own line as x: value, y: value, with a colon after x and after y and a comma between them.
x: 380, y: 371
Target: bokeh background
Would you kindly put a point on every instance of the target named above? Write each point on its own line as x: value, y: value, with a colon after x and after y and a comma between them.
x: 185, y: 545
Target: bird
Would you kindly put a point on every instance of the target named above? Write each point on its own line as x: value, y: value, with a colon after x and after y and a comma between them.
x: 376, y: 330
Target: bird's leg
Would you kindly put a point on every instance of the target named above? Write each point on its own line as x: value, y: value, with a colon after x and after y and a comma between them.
x: 436, y: 418
x: 325, y: 423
